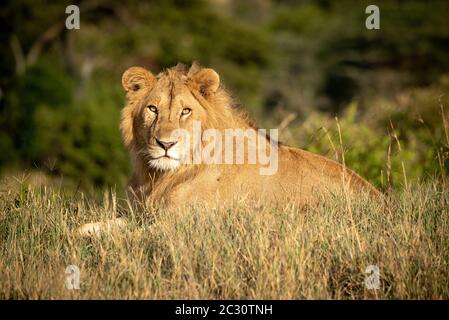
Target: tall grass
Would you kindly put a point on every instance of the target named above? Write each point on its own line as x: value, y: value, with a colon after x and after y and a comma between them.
x: 246, y: 251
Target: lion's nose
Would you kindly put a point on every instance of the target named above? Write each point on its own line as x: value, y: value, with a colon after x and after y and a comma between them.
x: 166, y: 144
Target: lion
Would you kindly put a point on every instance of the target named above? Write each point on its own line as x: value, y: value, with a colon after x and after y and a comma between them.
x: 165, y: 172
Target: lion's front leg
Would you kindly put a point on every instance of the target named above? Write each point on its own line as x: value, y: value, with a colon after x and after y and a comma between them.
x: 95, y: 228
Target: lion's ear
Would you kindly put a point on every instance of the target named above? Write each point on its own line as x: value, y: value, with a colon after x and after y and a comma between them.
x: 206, y: 81
x: 137, y: 78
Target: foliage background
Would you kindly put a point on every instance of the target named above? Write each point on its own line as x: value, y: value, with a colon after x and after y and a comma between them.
x: 295, y: 65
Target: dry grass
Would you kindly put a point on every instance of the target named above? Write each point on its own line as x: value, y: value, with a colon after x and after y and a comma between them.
x: 244, y: 252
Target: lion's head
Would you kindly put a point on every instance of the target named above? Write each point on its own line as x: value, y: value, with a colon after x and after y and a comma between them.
x: 159, y: 105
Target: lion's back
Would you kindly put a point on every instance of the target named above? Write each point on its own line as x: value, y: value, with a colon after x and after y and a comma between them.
x: 312, y: 172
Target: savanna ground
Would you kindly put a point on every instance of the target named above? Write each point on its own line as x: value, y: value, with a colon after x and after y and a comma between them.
x: 248, y: 251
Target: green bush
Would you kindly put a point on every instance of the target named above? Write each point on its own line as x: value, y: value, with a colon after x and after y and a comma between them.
x: 392, y: 143
x: 361, y: 148
x: 83, y: 144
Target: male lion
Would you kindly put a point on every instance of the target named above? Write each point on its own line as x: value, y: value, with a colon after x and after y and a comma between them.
x: 165, y: 171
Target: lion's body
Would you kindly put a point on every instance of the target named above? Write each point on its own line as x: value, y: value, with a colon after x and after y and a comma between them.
x: 164, y: 173
x: 301, y: 176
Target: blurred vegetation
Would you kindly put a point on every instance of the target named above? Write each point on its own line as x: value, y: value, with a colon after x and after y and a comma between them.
x: 60, y: 97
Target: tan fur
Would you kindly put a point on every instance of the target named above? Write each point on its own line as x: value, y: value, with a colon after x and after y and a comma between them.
x: 302, y: 176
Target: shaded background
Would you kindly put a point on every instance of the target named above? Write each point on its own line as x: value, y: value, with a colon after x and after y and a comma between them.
x: 295, y: 65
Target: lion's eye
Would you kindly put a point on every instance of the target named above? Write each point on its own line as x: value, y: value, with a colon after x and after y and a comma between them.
x: 186, y: 111
x: 152, y: 108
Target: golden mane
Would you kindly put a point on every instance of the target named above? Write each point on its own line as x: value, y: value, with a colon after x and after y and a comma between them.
x: 222, y: 99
